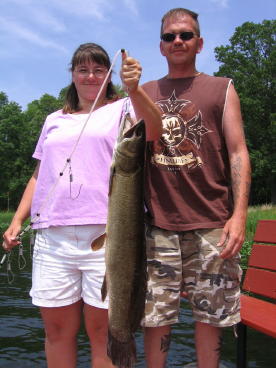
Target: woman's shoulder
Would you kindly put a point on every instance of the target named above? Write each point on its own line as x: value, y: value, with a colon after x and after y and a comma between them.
x: 54, y: 115
x: 117, y: 103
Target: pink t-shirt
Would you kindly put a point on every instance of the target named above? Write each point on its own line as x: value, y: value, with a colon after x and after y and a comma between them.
x: 85, y: 200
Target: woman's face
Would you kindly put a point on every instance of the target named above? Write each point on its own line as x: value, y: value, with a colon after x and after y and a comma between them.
x: 88, y: 78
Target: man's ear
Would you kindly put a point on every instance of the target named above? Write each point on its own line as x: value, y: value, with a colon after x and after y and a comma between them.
x: 161, y: 48
x: 199, y: 45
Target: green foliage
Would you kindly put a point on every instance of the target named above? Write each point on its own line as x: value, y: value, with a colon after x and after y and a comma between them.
x: 19, y: 132
x: 3, y: 99
x: 62, y: 94
x: 120, y: 91
x: 5, y: 219
x: 11, y: 127
x: 250, y: 60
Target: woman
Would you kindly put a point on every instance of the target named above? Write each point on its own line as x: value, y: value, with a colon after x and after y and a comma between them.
x: 68, y: 203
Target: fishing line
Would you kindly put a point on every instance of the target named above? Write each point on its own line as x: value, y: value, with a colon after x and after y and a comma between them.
x: 51, y: 191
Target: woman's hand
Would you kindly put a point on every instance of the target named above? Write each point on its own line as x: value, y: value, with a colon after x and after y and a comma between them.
x: 10, y: 236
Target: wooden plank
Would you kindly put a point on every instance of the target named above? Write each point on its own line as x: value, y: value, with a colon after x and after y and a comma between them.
x: 265, y: 231
x: 263, y: 256
x: 261, y: 282
x: 259, y: 315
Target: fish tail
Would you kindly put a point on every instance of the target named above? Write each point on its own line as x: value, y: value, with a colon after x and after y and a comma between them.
x: 122, y: 354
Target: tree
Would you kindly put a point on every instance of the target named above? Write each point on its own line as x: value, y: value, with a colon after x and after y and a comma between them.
x: 3, y: 99
x: 11, y: 127
x: 250, y: 60
x: 62, y: 95
x: 120, y: 91
x: 19, y: 132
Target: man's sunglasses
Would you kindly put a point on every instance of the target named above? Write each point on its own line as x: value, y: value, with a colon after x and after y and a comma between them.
x: 170, y: 37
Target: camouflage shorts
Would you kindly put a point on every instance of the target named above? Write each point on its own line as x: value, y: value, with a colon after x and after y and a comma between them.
x: 189, y: 261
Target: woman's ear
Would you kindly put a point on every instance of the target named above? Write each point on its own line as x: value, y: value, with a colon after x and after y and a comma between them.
x: 73, y: 78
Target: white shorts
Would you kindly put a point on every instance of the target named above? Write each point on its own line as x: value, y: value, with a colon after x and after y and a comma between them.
x: 66, y: 269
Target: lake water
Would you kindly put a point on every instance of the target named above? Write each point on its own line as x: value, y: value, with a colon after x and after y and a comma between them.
x: 22, y: 336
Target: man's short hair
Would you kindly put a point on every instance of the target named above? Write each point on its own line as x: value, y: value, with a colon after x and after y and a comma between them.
x: 181, y: 11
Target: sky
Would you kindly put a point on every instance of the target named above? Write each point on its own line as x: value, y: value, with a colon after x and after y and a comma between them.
x: 38, y: 37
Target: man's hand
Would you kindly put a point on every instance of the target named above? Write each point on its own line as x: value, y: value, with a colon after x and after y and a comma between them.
x: 233, y: 236
x: 130, y: 72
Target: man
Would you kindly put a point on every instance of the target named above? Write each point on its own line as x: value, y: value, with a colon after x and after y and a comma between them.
x: 197, y: 184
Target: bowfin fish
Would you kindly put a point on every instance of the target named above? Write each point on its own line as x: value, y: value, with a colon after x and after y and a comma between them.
x: 125, y: 246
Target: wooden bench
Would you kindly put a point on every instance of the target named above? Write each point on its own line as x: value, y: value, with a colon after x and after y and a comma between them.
x: 260, y: 279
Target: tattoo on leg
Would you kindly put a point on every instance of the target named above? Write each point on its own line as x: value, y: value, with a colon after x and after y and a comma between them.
x: 165, y: 343
x: 218, y: 349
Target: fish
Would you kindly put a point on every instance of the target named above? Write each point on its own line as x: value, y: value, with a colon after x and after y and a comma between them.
x: 125, y: 252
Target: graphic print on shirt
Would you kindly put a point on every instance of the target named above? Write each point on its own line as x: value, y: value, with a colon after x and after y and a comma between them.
x: 183, y: 129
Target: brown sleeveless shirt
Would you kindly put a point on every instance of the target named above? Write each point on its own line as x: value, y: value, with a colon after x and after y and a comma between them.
x: 187, y: 171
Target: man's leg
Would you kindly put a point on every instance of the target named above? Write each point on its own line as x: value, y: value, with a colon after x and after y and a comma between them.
x: 208, y: 340
x: 157, y: 343
x: 212, y: 285
x: 163, y: 293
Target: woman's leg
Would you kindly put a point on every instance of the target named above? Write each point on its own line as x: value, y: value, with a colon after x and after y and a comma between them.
x: 61, y: 327
x: 96, y: 322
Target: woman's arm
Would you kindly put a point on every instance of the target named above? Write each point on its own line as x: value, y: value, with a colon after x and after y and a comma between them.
x: 21, y: 214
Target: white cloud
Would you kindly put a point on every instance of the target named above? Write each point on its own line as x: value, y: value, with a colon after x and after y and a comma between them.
x: 131, y: 5
x: 29, y: 12
x: 84, y: 8
x: 43, y: 17
x: 222, y: 3
x: 20, y: 32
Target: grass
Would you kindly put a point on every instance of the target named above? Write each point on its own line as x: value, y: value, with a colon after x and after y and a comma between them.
x: 263, y: 212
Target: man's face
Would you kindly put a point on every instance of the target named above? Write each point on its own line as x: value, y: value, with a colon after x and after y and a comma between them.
x: 178, y: 51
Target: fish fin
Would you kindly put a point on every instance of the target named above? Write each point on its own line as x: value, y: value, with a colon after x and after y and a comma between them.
x: 122, y: 354
x: 98, y: 242
x: 104, y: 289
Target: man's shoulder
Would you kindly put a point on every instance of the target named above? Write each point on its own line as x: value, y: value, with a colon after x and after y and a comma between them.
x: 200, y: 77
x: 214, y: 79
